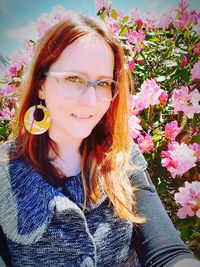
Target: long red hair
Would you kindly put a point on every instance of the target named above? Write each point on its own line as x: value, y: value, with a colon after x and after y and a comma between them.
x: 106, y: 151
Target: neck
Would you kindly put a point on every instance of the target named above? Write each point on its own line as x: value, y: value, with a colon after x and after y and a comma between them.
x: 68, y: 159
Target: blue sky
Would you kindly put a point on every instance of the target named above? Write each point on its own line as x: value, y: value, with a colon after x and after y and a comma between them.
x: 17, y: 17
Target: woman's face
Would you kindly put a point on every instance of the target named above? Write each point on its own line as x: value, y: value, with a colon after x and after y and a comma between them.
x: 93, y: 59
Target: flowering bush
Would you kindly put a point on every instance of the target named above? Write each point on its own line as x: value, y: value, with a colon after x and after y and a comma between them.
x: 163, y: 55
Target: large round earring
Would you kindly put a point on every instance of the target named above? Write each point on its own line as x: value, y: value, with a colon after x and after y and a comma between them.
x: 34, y: 126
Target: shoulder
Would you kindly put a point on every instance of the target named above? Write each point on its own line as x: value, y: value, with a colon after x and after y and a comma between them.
x: 137, y: 159
x: 24, y: 198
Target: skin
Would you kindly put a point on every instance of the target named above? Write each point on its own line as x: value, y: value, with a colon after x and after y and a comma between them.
x: 91, y: 56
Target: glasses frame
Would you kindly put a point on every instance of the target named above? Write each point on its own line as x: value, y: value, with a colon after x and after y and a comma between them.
x: 93, y: 83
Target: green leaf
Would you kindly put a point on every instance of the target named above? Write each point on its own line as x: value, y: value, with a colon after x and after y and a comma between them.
x: 3, y: 129
x: 114, y: 14
x: 184, y: 122
x: 196, y: 139
x: 184, y: 74
x: 160, y: 79
x: 155, y: 39
x: 170, y: 63
x: 125, y: 19
x: 148, y: 43
x: 179, y: 52
x: 186, y: 231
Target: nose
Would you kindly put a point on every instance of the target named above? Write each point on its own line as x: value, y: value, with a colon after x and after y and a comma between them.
x: 89, y: 97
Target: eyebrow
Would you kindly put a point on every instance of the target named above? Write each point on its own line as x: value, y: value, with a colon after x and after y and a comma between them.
x: 85, y: 74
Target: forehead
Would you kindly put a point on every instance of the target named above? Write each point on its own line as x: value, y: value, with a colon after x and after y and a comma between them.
x: 89, y: 54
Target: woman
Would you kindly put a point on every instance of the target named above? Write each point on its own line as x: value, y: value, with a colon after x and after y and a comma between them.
x: 68, y: 186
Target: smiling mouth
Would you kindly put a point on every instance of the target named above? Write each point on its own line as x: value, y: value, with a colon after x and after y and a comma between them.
x: 82, y: 117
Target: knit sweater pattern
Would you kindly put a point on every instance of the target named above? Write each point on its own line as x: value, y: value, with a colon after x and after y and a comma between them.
x: 44, y: 226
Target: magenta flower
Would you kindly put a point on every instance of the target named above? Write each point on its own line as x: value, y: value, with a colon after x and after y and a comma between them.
x: 145, y: 143
x: 131, y: 65
x: 163, y: 98
x: 172, y: 130
x: 135, y: 127
x: 196, y: 71
x: 184, y: 61
x: 196, y: 49
x: 189, y: 198
x: 178, y: 159
x: 182, y: 7
x: 102, y: 4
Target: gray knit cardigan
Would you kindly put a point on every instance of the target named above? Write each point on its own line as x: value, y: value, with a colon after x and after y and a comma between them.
x: 45, y: 227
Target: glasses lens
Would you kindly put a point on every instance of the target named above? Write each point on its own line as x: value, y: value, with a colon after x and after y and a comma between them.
x: 106, y: 90
x: 73, y: 86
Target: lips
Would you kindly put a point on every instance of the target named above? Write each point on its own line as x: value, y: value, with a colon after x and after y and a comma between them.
x: 82, y: 116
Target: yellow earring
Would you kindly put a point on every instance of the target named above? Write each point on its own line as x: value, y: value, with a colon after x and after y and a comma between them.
x: 37, y: 127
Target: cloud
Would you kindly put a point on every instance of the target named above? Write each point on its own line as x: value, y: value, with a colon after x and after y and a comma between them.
x: 22, y: 33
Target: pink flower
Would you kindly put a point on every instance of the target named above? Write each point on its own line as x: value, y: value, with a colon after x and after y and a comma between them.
x: 187, y: 102
x: 163, y: 98
x: 149, y: 95
x: 135, y: 36
x: 11, y: 72
x: 196, y: 28
x: 132, y: 104
x: 135, y: 127
x: 196, y: 49
x: 131, y: 65
x: 7, y: 91
x: 172, y: 130
x: 196, y: 71
x: 189, y: 198
x: 166, y: 19
x: 135, y: 14
x: 184, y: 62
x: 137, y: 49
x: 120, y: 15
x: 21, y: 58
x: 59, y: 13
x: 196, y: 148
x: 102, y: 4
x: 7, y: 114
x: 150, y: 20
x: 194, y: 16
x: 182, y: 7
x: 115, y: 28
x: 145, y: 143
x: 47, y: 20
x: 178, y: 159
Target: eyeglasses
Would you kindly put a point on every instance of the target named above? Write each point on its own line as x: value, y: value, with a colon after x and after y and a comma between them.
x: 73, y: 85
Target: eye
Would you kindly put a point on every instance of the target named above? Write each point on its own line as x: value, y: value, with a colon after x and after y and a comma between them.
x: 74, y: 79
x: 105, y: 83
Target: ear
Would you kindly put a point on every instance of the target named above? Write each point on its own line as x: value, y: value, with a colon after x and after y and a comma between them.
x: 41, y: 90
